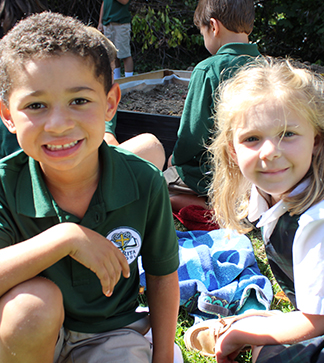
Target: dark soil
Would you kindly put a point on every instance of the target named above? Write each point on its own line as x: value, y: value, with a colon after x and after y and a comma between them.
x: 169, y: 99
x: 165, y: 99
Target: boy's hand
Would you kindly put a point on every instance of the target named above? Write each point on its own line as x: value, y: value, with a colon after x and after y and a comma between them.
x: 98, y: 254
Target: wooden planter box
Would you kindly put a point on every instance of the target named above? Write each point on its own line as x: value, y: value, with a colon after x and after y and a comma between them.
x: 164, y: 127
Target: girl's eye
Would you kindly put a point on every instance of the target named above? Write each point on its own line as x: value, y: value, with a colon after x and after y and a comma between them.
x: 288, y: 134
x: 251, y: 139
x: 79, y: 101
x: 35, y: 106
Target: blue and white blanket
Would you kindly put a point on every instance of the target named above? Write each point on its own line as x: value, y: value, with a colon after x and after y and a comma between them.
x: 218, y: 274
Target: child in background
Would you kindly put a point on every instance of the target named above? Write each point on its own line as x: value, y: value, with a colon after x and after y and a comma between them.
x: 225, y: 26
x: 75, y: 212
x: 115, y: 23
x: 268, y: 156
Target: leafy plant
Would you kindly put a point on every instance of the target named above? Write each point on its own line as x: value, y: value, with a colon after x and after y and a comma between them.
x: 164, y: 34
x: 165, y: 29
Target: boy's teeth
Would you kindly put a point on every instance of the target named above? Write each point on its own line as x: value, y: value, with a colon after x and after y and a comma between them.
x: 60, y: 147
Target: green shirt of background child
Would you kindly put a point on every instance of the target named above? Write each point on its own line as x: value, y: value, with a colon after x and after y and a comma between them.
x: 225, y: 26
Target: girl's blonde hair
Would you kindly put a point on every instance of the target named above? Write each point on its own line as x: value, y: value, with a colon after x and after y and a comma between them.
x: 264, y: 80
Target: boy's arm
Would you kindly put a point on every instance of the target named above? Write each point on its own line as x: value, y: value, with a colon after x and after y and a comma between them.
x: 286, y: 328
x: 163, y: 296
x: 25, y: 260
x: 196, y: 123
x: 100, y: 25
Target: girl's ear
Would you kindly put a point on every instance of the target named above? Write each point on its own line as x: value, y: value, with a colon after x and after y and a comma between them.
x: 317, y: 142
x: 6, y: 117
x: 113, y: 98
x: 232, y: 153
x: 214, y: 26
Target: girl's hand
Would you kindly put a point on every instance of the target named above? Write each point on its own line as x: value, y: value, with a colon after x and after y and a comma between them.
x: 227, y: 348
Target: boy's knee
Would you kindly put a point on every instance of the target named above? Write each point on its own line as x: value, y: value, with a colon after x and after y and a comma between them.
x: 151, y: 142
x: 148, y: 147
x: 34, y: 307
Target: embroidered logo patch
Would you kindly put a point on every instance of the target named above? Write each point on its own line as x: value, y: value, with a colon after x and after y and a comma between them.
x: 127, y: 240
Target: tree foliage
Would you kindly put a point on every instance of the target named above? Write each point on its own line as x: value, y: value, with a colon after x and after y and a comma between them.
x: 163, y: 33
x: 291, y: 27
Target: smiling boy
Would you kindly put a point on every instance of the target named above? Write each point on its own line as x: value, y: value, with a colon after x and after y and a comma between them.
x: 75, y: 213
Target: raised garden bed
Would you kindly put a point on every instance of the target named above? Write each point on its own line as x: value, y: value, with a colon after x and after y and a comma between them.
x: 152, y: 102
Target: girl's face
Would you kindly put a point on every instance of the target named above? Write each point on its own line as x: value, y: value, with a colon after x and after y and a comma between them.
x: 273, y: 149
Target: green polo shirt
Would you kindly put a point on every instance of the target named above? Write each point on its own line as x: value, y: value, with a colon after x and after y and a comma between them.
x: 8, y: 141
x: 110, y: 126
x: 196, y: 125
x: 130, y: 207
x: 115, y: 12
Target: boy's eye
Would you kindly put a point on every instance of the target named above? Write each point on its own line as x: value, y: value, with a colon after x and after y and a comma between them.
x: 35, y: 106
x: 79, y: 101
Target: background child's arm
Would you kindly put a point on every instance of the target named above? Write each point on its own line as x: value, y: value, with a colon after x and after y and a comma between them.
x: 27, y: 259
x: 163, y: 299
x: 288, y: 328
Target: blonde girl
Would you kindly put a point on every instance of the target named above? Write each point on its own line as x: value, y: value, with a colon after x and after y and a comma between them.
x: 268, y: 156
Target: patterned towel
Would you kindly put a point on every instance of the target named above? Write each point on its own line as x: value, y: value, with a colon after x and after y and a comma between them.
x: 218, y: 274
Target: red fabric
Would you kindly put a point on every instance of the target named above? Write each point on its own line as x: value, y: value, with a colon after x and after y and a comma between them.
x: 195, y: 217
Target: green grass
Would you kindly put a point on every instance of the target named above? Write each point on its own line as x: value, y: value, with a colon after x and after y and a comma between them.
x: 280, y: 302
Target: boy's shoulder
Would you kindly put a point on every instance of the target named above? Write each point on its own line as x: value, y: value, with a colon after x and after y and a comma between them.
x: 126, y: 177
x: 133, y: 161
x: 124, y: 163
x: 227, y: 56
x: 13, y: 162
x: 229, y: 51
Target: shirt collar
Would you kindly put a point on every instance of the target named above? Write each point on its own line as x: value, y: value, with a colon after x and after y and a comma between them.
x: 268, y: 217
x: 239, y: 49
x: 117, y: 186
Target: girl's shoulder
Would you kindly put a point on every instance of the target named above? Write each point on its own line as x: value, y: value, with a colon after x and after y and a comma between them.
x: 314, y: 213
x: 316, y: 210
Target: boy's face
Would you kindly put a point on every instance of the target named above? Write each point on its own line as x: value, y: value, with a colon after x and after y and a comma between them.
x: 58, y: 108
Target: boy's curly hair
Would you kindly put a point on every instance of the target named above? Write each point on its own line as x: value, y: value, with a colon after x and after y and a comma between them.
x: 235, y: 15
x: 46, y: 35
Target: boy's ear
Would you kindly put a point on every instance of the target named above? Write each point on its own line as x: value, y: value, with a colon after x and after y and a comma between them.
x: 6, y: 117
x: 113, y: 98
x: 214, y: 26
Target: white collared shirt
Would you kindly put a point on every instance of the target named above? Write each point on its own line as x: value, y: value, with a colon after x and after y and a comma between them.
x: 308, y: 247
